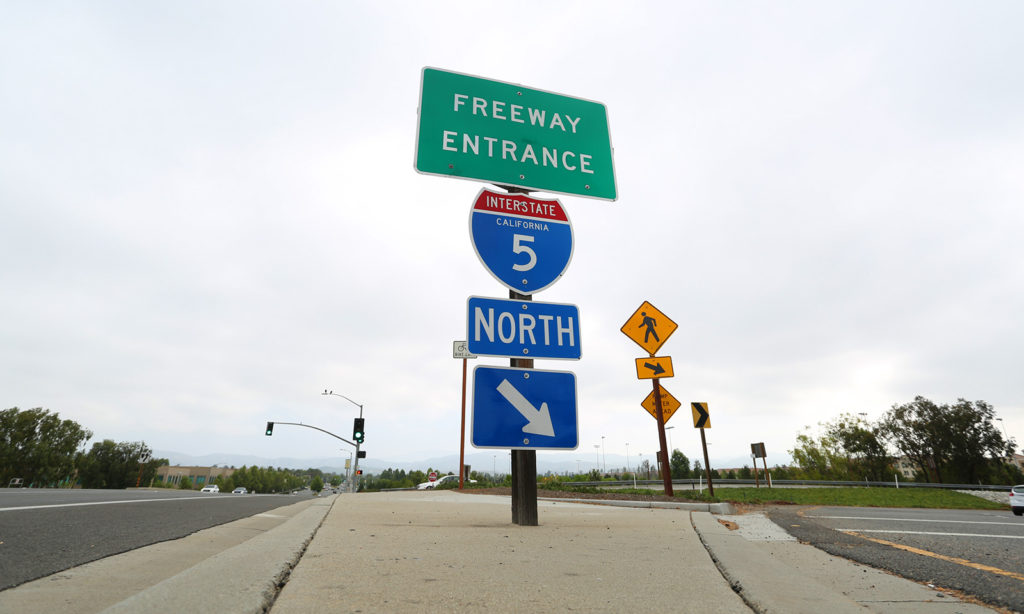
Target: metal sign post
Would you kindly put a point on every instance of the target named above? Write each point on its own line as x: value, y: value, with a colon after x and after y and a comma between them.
x: 757, y: 451
x: 666, y: 470
x: 702, y: 420
x: 524, y: 462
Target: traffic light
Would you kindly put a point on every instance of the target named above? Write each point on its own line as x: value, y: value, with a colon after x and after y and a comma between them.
x: 359, y: 472
x: 270, y: 429
x: 357, y: 430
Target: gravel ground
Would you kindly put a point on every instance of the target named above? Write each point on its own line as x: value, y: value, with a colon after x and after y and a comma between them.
x: 999, y: 496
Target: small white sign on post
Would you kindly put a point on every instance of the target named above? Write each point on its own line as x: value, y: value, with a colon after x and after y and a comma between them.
x: 460, y: 349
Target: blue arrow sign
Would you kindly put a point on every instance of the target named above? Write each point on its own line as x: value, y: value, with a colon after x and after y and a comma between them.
x: 523, y: 329
x: 524, y: 409
x: 525, y: 243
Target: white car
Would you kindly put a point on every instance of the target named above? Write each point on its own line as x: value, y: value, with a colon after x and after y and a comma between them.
x: 1017, y: 500
x: 211, y: 488
x: 239, y: 491
x: 445, y: 479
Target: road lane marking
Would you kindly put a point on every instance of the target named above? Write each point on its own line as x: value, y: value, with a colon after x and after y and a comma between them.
x: 1014, y: 524
x: 942, y: 557
x: 927, y: 533
x: 43, y: 507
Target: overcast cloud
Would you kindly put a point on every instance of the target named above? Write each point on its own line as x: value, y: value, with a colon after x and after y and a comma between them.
x: 209, y: 214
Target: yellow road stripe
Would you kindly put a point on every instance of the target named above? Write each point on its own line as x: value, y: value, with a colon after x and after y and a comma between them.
x: 935, y: 555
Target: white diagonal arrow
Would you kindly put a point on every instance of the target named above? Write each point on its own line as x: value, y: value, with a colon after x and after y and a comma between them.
x: 539, y: 419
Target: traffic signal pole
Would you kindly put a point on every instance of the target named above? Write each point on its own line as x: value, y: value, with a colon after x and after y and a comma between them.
x: 353, y: 480
x: 270, y: 431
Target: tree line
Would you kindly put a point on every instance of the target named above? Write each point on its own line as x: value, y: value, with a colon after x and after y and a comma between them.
x: 949, y: 443
x: 44, y: 450
x: 259, y: 479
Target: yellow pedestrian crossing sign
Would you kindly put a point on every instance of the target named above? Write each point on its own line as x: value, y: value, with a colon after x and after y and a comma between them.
x: 669, y: 405
x: 649, y: 328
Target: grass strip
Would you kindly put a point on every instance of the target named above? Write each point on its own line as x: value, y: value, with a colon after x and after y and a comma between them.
x: 848, y: 496
x: 856, y: 497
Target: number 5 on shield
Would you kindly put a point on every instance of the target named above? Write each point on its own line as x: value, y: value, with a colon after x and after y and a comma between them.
x: 519, y: 248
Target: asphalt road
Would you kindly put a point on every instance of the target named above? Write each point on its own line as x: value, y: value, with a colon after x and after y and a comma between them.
x: 977, y: 552
x: 45, y: 531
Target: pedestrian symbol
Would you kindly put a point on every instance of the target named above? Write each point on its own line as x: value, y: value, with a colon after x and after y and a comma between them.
x: 648, y: 324
x: 649, y: 328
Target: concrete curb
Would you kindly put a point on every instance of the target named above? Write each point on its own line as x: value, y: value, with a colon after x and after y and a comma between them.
x: 765, y: 585
x: 245, y: 578
x: 713, y: 508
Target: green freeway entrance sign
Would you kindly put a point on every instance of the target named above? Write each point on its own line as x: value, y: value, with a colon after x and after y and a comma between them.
x: 496, y: 132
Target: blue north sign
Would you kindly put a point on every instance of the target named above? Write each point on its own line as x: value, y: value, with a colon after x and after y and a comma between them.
x: 523, y: 329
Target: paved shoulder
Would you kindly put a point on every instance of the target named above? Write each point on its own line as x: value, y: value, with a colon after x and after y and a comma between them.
x: 241, y: 579
x: 234, y: 567
x: 776, y: 573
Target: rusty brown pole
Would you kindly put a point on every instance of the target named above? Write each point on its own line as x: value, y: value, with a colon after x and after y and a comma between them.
x: 666, y: 470
x: 707, y: 465
x: 462, y: 433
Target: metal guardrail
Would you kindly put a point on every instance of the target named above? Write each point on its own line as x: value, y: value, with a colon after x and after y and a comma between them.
x: 695, y: 481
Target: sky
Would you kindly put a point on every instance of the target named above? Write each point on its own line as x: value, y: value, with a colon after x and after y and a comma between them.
x: 209, y: 214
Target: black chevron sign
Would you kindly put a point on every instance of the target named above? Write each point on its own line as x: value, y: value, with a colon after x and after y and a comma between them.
x: 701, y: 417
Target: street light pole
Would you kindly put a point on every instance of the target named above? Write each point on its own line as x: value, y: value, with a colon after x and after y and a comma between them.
x: 353, y: 481
x: 605, y: 458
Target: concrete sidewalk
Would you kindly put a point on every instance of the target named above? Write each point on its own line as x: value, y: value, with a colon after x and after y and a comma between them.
x: 444, y: 551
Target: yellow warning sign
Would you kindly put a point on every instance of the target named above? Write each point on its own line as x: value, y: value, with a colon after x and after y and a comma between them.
x: 649, y: 328
x: 654, y: 367
x: 701, y: 416
x: 669, y: 405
